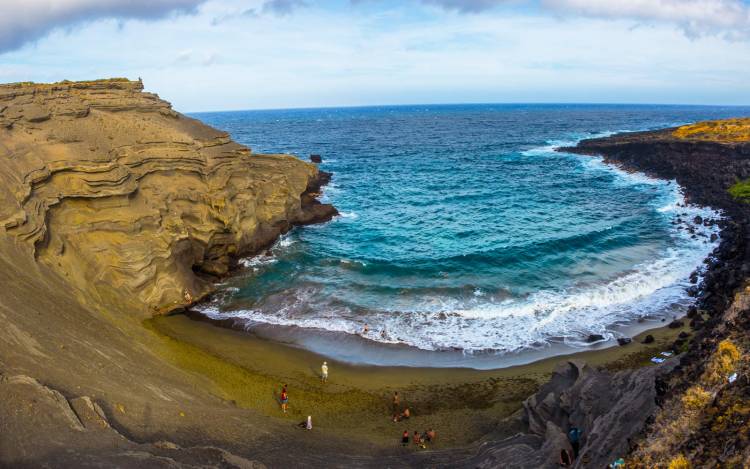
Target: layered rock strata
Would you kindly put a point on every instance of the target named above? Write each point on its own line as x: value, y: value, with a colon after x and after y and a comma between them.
x: 131, y: 201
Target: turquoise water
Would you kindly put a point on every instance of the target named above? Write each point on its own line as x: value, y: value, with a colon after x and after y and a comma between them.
x: 462, y: 229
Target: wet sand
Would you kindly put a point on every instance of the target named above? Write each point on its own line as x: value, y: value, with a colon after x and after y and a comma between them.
x: 462, y: 404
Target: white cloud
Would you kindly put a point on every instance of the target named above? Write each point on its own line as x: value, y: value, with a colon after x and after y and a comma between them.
x: 23, y: 21
x: 727, y: 18
x: 466, y: 6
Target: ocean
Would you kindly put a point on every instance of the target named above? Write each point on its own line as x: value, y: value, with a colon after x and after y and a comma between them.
x: 464, y: 235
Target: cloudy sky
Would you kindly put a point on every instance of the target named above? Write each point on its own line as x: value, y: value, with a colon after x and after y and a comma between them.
x: 250, y: 54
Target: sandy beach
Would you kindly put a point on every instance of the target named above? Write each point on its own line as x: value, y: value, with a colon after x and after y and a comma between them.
x: 461, y: 404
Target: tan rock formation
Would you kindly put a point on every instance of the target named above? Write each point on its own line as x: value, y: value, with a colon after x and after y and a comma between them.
x: 128, y: 199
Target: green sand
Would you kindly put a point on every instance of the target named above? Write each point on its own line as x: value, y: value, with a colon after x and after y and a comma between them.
x: 461, y: 404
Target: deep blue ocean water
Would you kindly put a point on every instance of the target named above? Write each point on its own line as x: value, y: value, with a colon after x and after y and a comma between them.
x: 463, y: 229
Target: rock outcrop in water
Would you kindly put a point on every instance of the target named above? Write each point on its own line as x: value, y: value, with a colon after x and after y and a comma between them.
x: 129, y: 200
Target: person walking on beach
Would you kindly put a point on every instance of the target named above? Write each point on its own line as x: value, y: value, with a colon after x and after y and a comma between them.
x: 405, y: 438
x: 284, y: 399
x: 324, y: 372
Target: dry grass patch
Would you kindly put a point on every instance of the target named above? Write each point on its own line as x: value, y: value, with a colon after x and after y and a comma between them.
x: 727, y: 130
x: 723, y: 363
x: 684, y: 416
x: 680, y: 462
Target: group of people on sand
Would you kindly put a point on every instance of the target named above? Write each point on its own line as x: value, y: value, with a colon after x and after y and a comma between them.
x: 399, y: 415
x: 284, y: 397
x: 419, y: 440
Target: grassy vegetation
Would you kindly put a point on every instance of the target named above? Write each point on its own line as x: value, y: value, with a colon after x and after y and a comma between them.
x: 723, y: 363
x: 31, y: 84
x: 680, y: 462
x: 706, y: 404
x: 727, y: 131
x: 741, y: 191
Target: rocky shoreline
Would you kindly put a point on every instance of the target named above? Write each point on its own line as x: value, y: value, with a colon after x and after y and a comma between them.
x: 706, y: 170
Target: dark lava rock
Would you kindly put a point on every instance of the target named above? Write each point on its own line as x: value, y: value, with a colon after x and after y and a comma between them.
x: 649, y: 339
x: 676, y: 324
x: 692, y: 312
x: 594, y: 338
x: 698, y: 220
x: 610, y: 409
x: 684, y: 335
x: 694, y: 277
x: 714, y: 237
x: 316, y: 158
x: 624, y: 340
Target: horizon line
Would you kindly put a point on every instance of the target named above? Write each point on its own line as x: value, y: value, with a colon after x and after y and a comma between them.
x: 507, y: 103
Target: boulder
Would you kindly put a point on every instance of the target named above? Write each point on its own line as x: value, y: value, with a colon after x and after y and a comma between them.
x: 594, y: 338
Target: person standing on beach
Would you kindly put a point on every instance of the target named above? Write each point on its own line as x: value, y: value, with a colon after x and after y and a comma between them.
x: 324, y: 372
x: 396, y: 403
x: 284, y: 399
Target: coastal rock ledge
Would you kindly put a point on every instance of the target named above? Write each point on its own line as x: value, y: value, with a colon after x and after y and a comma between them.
x: 129, y: 200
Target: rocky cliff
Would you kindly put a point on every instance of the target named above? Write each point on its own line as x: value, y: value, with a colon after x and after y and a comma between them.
x: 704, y: 402
x: 131, y: 201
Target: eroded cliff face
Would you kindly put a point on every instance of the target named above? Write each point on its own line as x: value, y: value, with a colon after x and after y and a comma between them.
x: 131, y: 201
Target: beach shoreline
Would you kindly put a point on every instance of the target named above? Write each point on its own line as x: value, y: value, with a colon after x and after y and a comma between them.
x: 464, y: 404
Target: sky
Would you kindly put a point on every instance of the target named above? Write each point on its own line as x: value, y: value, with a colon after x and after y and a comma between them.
x: 210, y: 55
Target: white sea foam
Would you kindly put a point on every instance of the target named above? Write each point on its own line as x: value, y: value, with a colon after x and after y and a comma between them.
x: 285, y: 241
x: 257, y: 261
x: 348, y: 215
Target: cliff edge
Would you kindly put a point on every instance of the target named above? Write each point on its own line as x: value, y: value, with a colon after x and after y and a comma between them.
x: 129, y: 200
